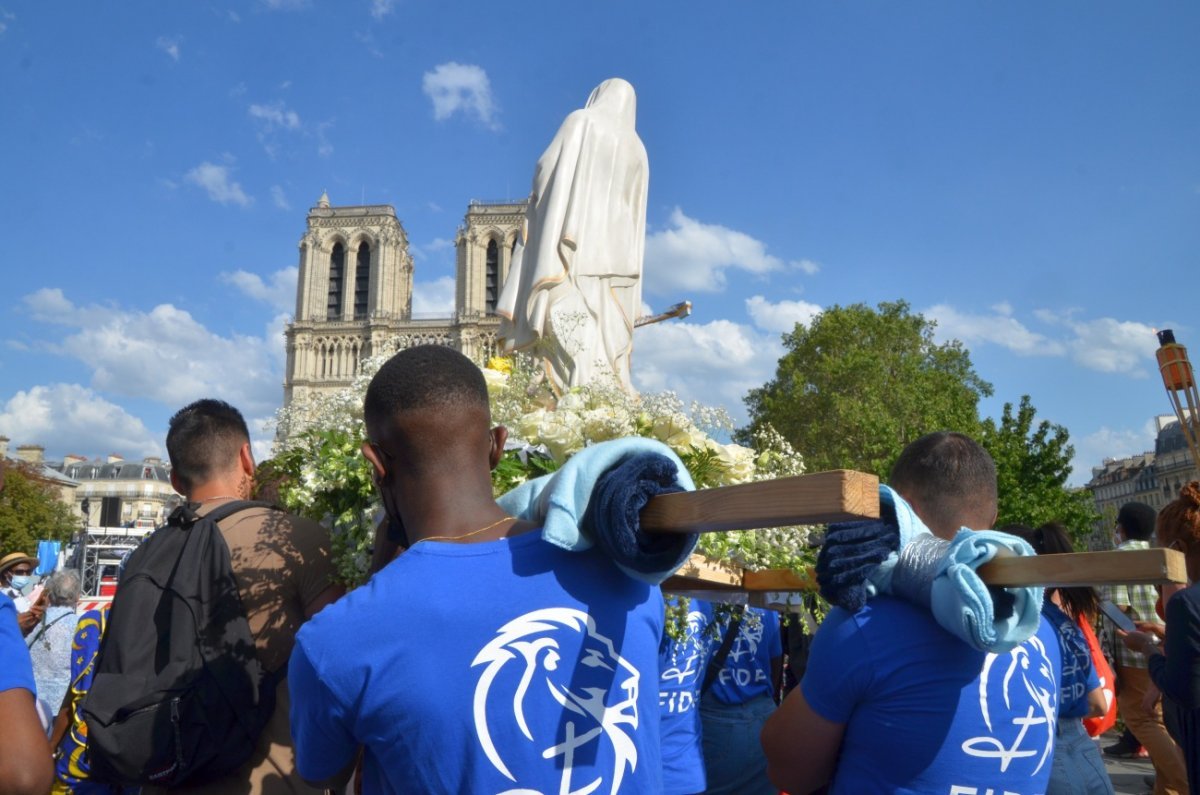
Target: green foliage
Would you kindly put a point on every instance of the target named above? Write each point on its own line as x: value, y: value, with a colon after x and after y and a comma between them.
x: 512, y: 471
x: 31, y: 511
x: 1032, y: 466
x: 323, y: 475
x: 858, y: 384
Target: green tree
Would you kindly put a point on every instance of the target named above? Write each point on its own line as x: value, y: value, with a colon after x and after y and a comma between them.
x: 1032, y: 466
x: 858, y: 384
x: 30, y: 511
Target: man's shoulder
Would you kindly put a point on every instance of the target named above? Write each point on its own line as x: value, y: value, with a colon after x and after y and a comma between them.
x: 272, y: 519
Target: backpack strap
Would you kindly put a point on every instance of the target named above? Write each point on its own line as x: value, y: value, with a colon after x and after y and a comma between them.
x: 185, y: 515
x: 718, y: 660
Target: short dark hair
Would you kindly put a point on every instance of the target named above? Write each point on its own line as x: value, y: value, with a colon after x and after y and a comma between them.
x: 203, y: 439
x: 1137, y: 520
x: 949, y: 474
x: 425, y: 376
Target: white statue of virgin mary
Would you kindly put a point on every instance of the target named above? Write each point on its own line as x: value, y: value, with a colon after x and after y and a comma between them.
x: 574, y: 287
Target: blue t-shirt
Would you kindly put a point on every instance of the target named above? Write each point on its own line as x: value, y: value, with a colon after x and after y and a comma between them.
x: 1078, y: 674
x: 508, y: 665
x: 746, y: 674
x: 682, y: 664
x: 926, y: 713
x: 15, y: 670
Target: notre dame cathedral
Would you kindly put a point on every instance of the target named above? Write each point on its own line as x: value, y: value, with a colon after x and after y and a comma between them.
x: 354, y: 291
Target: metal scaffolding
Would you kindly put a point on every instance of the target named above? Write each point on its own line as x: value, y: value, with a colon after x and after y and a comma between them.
x: 98, y: 554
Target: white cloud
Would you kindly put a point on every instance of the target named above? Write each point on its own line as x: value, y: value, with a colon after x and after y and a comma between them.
x: 216, y: 182
x: 275, y: 116
x: 285, y: 5
x: 999, y: 328
x: 431, y: 249
x: 279, y: 293
x: 807, y: 266
x: 1091, y: 450
x: 716, y: 363
x: 435, y: 297
x: 324, y: 147
x: 780, y: 317
x: 691, y: 255
x: 169, y: 45
x: 165, y: 354
x: 455, y: 87
x: 279, y: 198
x: 381, y: 8
x: 1106, y: 344
x: 67, y: 418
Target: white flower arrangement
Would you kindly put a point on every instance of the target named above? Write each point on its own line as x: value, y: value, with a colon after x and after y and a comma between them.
x: 320, y: 472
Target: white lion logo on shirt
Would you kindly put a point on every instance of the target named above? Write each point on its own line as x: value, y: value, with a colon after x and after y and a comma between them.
x: 580, y: 687
x: 1036, y: 692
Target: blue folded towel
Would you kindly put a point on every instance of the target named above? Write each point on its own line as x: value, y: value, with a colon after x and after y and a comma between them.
x: 860, y: 559
x: 562, y: 502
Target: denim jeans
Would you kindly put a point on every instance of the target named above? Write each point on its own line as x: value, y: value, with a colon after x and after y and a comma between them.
x: 1078, y: 768
x: 733, y: 755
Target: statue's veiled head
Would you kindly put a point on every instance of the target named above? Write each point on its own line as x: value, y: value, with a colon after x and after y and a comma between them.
x: 615, y: 97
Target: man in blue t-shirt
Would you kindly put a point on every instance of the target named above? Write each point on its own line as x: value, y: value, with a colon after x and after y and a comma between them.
x: 891, y: 702
x: 682, y: 663
x: 738, y: 703
x: 482, y: 659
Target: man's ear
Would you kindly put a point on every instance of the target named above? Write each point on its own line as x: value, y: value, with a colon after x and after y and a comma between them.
x: 499, y: 436
x: 369, y: 453
x: 246, y: 459
x: 176, y: 483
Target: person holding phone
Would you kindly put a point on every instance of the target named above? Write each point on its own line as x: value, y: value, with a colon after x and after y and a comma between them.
x: 1174, y: 663
x: 1136, y: 701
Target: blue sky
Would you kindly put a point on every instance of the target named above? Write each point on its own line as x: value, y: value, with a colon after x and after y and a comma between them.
x: 1026, y: 173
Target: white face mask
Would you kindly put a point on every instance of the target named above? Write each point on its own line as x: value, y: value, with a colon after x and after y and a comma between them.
x: 20, y: 581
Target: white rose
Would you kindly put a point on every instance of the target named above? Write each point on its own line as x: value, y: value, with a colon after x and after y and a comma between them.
x: 496, y: 380
x: 560, y: 432
x: 737, y: 463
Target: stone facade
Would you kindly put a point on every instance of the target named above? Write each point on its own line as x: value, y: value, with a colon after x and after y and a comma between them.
x: 123, y: 493
x: 354, y: 291
x: 1154, y: 477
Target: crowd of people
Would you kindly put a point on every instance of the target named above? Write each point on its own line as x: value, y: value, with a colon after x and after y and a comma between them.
x: 482, y: 658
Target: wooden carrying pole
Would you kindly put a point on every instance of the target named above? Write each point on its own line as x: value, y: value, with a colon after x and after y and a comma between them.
x: 845, y: 495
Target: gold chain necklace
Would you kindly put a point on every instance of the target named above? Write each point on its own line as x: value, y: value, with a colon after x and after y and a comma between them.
x: 219, y: 497
x: 465, y: 535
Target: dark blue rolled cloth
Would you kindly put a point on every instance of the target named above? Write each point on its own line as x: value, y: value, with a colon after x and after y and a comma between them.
x: 612, y: 515
x: 852, y: 550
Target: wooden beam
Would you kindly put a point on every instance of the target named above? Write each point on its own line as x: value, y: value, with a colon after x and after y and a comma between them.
x: 1126, y: 567
x: 1117, y: 567
x: 838, y: 496
x: 704, y: 574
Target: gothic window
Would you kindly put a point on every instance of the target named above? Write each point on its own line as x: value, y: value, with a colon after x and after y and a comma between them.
x: 493, y: 275
x: 337, y: 275
x: 362, y: 280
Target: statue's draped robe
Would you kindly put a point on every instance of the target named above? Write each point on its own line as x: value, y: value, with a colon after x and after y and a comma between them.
x: 574, y: 286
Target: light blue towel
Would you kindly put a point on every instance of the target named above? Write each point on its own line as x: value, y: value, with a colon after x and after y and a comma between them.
x: 559, y: 500
x: 957, y: 597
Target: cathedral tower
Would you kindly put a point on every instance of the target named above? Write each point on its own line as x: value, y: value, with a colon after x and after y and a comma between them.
x: 353, y: 292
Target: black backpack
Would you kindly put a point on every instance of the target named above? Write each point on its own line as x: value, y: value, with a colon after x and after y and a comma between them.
x: 179, y: 694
